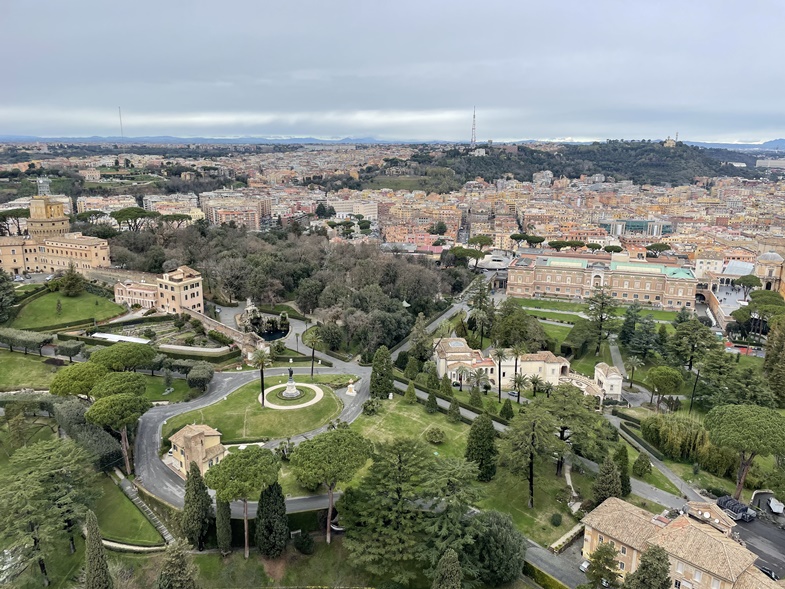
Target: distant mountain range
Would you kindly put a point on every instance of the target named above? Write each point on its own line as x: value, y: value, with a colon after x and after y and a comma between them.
x: 773, y: 145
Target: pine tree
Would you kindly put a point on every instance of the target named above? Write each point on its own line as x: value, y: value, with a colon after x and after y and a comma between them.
x: 481, y: 447
x: 381, y: 374
x: 507, y: 412
x: 411, y: 395
x: 412, y: 368
x: 223, y: 526
x: 653, y: 571
x: 431, y: 406
x: 96, y: 569
x: 446, y: 386
x: 454, y: 412
x: 622, y: 460
x: 272, y: 528
x: 475, y: 399
x: 178, y: 570
x: 608, y: 483
x: 7, y: 296
x: 448, y: 571
x: 642, y: 466
x: 198, y: 508
x: 631, y: 317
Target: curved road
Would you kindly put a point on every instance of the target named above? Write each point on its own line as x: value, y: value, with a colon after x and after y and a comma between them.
x: 160, y: 480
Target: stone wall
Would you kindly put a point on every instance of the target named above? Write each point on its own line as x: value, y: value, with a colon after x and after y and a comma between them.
x: 248, y: 342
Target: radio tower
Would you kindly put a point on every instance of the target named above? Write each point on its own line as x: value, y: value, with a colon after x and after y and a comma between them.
x: 474, y: 128
x: 120, y: 113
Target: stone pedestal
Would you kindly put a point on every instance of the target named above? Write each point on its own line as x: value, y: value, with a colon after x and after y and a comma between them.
x: 350, y: 389
x: 291, y: 391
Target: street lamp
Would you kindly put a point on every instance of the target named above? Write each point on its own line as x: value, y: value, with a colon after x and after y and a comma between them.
x: 297, y: 341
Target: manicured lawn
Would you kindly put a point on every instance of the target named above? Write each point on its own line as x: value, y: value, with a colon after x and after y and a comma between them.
x: 24, y: 371
x: 43, y: 311
x: 585, y: 365
x: 750, y: 361
x: 120, y: 520
x: 554, y: 305
x: 156, y: 387
x: 241, y: 418
x: 552, y: 316
x: 398, y: 419
x: 24, y: 288
x: 556, y: 332
x: 704, y: 479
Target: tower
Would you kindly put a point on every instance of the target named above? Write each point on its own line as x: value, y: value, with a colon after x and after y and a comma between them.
x: 47, y: 218
x: 43, y: 186
x: 474, y: 128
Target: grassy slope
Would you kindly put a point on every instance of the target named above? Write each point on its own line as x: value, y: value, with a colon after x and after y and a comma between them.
x: 24, y: 371
x: 120, y: 520
x: 585, y: 365
x: 43, y: 311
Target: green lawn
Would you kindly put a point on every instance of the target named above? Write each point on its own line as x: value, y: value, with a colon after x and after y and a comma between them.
x: 750, y: 361
x: 585, y: 365
x: 24, y: 288
x: 24, y: 371
x: 552, y: 316
x: 241, y: 418
x: 704, y: 479
x: 554, y: 305
x: 120, y: 520
x: 43, y: 311
x: 556, y: 332
x: 156, y: 387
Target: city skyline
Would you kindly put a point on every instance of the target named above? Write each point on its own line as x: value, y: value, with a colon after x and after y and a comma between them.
x: 573, y: 72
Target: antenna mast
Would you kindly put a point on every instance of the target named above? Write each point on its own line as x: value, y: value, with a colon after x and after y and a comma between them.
x: 474, y: 128
x: 120, y: 113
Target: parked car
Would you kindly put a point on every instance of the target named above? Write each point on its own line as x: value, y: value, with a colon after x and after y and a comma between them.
x: 584, y: 566
x: 776, y: 506
x: 456, y: 383
x: 513, y: 394
x: 50, y: 277
x: 19, y: 278
x: 769, y: 573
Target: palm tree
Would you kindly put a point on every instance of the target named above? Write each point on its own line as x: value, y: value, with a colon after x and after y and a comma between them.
x: 478, y: 378
x: 463, y: 374
x: 518, y: 350
x: 536, y: 383
x: 520, y: 382
x: 633, y: 362
x: 313, y: 338
x: 547, y: 389
x: 500, y: 355
x: 260, y: 359
x: 481, y: 320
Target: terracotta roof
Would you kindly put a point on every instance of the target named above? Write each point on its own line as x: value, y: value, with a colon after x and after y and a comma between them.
x: 213, y: 451
x: 622, y: 522
x: 704, y: 547
x: 752, y: 578
x: 191, y: 430
x: 544, y: 356
x: 607, y: 370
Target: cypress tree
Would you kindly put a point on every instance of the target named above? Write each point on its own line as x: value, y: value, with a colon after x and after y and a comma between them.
x: 507, y: 412
x: 198, y: 508
x: 410, y: 396
x: 96, y: 569
x: 454, y: 413
x: 446, y: 386
x: 381, y: 374
x: 642, y: 466
x: 223, y: 526
x: 475, y: 399
x: 622, y: 460
x: 490, y: 406
x: 448, y: 571
x: 412, y: 368
x: 178, y: 570
x: 431, y: 406
x: 272, y: 527
x: 481, y: 447
x: 608, y: 483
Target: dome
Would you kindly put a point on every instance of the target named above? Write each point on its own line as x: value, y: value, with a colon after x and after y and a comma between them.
x: 771, y: 257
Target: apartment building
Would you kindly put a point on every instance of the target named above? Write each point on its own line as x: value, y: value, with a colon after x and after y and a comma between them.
x: 196, y: 443
x: 90, y: 174
x: 58, y: 253
x: 105, y: 204
x: 144, y: 294
x: 701, y: 553
x: 247, y: 212
x: 343, y: 208
x: 657, y: 285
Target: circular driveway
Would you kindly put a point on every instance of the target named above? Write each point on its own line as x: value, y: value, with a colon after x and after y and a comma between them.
x: 316, y: 389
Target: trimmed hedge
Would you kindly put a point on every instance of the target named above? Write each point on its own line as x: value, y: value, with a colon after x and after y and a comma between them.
x: 219, y: 337
x: 627, y: 428
x: 625, y: 416
x: 92, y: 341
x: 67, y: 325
x: 230, y: 355
x: 542, y: 578
x: 149, y: 319
x: 31, y: 295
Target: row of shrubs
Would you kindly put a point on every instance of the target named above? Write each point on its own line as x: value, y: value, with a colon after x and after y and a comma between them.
x: 69, y: 414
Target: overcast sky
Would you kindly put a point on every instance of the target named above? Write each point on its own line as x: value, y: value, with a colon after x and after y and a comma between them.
x: 712, y: 70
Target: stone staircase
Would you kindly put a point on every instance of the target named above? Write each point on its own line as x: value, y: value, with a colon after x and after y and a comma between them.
x: 131, y: 492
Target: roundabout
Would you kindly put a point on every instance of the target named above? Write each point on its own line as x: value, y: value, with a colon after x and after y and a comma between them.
x: 309, y: 395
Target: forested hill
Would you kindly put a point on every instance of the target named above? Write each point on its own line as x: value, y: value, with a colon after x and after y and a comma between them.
x: 643, y: 162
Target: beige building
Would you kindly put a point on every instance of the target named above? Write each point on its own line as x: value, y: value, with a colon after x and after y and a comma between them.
x: 180, y: 289
x: 609, y: 381
x: 657, y: 285
x: 19, y: 254
x: 47, y: 218
x: 701, y: 553
x: 90, y: 174
x: 196, y: 443
x: 131, y: 293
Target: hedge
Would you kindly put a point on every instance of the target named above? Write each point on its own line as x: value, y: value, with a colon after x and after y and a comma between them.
x: 444, y: 397
x: 627, y: 429
x: 67, y: 325
x: 542, y: 578
x: 32, y: 294
x: 93, y: 341
x: 148, y: 319
x: 338, y: 355
x: 220, y: 337
x: 225, y: 357
x: 278, y: 309
x: 625, y: 416
x: 69, y: 415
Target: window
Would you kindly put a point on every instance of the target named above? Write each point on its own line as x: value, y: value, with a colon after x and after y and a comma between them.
x: 715, y: 584
x: 697, y: 576
x: 677, y: 584
x: 602, y: 539
x: 624, y: 550
x: 621, y: 566
x: 679, y: 567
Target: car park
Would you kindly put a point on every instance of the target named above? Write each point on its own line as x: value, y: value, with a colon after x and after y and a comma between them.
x: 769, y: 573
